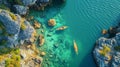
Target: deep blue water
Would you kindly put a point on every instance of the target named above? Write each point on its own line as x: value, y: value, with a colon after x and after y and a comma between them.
x: 86, y: 19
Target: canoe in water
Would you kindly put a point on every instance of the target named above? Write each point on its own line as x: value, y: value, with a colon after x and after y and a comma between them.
x: 75, y: 47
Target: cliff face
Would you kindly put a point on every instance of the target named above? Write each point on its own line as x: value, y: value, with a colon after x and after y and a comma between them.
x: 13, y: 28
x: 107, y: 51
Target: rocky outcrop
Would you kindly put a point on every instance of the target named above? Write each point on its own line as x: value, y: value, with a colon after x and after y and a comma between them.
x: 20, y: 9
x: 106, y: 52
x: 37, y: 25
x: 34, y: 2
x: 52, y: 22
x: 14, y: 29
x: 28, y: 2
x: 104, y: 31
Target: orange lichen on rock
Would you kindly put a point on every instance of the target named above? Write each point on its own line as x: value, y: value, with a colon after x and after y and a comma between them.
x: 52, y: 22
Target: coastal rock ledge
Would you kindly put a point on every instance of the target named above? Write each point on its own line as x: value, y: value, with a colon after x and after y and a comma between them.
x: 107, y: 51
x: 14, y: 29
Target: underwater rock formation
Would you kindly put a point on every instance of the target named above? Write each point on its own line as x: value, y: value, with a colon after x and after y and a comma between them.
x: 52, y: 22
x: 41, y: 40
x: 104, y: 31
x: 37, y: 25
x: 14, y: 29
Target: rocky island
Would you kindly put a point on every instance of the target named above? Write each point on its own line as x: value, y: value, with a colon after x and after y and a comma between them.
x: 107, y: 49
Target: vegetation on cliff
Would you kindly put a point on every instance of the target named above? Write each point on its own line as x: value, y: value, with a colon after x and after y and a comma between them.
x: 11, y: 57
x: 2, y: 6
x: 15, y: 2
x: 104, y: 51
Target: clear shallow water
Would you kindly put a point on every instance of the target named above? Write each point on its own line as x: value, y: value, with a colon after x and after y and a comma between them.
x: 86, y: 19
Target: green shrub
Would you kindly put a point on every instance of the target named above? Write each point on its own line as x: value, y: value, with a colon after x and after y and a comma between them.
x: 3, y: 42
x: 117, y: 48
x: 104, y: 51
x: 15, y: 2
x: 2, y: 6
x: 14, y: 60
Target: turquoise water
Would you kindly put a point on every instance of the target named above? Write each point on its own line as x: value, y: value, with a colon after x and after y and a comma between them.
x: 86, y: 19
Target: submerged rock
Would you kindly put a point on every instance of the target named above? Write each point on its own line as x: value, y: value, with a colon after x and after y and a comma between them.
x: 41, y: 40
x: 37, y: 25
x: 42, y: 53
x: 52, y: 22
x: 104, y: 31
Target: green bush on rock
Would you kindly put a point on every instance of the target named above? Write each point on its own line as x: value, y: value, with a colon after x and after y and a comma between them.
x: 2, y: 6
x: 14, y: 60
x: 15, y: 2
x: 117, y: 48
x: 3, y: 42
x: 104, y: 51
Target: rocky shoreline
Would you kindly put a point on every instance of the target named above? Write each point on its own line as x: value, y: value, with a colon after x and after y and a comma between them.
x: 107, y: 50
x: 18, y: 37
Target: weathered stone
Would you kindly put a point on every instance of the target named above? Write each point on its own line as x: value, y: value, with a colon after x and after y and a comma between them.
x: 105, y: 59
x: 28, y: 2
x: 52, y: 22
x: 22, y: 10
x: 12, y: 28
x: 41, y: 40
x: 104, y: 31
x: 42, y: 53
x: 37, y: 25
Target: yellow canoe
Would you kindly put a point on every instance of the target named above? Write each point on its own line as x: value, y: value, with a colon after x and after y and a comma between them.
x: 62, y: 28
x: 75, y: 47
